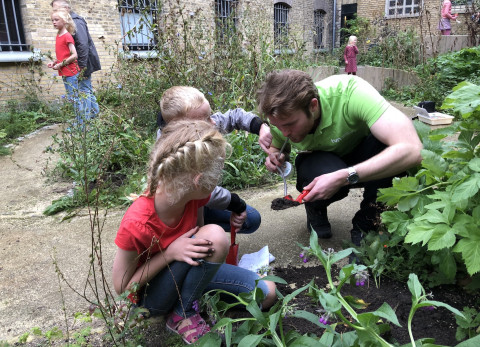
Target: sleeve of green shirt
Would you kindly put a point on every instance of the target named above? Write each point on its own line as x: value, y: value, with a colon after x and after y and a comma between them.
x: 365, y: 102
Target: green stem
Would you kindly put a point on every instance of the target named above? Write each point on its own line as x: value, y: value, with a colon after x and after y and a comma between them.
x: 409, y: 325
x: 280, y: 327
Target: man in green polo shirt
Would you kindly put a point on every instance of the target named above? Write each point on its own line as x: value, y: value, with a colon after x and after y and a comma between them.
x: 350, y: 135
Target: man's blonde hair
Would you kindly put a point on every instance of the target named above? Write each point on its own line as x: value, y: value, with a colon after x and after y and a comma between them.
x: 178, y: 101
x: 186, y: 149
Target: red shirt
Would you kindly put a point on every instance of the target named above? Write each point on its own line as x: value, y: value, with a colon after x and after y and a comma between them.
x: 63, y: 52
x: 141, y: 228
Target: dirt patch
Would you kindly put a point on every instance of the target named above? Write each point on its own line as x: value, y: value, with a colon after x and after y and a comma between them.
x: 282, y: 204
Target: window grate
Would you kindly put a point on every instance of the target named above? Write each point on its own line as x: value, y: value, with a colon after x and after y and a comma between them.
x: 138, y: 19
x: 280, y: 13
x: 226, y: 19
x: 403, y: 7
x: 319, y: 28
x: 12, y: 38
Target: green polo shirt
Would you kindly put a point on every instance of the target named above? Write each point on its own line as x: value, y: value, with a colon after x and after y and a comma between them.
x: 350, y: 106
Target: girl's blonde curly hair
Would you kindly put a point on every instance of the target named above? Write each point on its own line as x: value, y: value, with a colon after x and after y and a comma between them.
x: 65, y: 15
x: 186, y: 150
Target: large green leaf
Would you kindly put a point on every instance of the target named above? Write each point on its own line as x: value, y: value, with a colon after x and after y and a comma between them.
x: 432, y: 216
x: 470, y: 250
x: 467, y: 189
x: 442, y: 237
x: 434, y: 163
x: 419, y: 232
x: 465, y: 99
x: 396, y: 221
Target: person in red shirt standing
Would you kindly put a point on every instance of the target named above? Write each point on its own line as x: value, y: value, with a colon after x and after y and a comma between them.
x: 66, y: 54
x: 350, y: 56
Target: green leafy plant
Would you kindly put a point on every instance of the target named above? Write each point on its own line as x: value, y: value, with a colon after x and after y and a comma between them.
x: 261, y: 326
x: 439, y: 207
x: 468, y: 325
x: 266, y: 328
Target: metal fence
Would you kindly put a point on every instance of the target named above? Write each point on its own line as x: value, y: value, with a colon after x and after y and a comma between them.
x: 12, y: 38
x: 226, y: 19
x: 319, y: 27
x: 137, y: 19
x: 280, y: 13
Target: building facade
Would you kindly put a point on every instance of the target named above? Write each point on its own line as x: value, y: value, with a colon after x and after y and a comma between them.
x: 27, y: 36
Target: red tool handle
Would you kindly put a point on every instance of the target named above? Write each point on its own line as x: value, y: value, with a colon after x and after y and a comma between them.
x: 232, y: 234
x: 301, y: 196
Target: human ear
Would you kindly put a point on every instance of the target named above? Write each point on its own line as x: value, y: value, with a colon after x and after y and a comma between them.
x: 313, y: 104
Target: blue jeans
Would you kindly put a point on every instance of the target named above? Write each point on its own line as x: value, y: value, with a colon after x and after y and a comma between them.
x: 71, y: 87
x: 88, y: 102
x: 222, y: 218
x: 162, y: 296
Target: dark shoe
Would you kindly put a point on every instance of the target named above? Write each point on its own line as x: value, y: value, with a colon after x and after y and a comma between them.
x: 356, y: 237
x: 317, y: 220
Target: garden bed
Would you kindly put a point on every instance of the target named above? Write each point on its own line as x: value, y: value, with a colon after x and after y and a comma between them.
x: 439, y: 323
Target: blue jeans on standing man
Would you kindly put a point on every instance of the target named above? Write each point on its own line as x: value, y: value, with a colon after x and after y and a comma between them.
x: 88, y: 102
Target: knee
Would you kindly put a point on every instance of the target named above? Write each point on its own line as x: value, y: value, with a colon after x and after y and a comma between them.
x: 219, y: 239
x: 253, y: 221
x: 271, y: 297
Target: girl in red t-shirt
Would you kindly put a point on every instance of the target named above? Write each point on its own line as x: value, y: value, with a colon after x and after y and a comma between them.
x: 162, y: 240
x: 66, y: 54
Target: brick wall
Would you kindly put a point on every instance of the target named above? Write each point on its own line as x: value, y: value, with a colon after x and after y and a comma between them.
x: 103, y: 22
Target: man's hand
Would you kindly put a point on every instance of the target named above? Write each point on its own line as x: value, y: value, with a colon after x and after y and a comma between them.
x: 265, y: 137
x: 186, y: 248
x: 325, y: 186
x: 237, y: 220
x: 275, y: 159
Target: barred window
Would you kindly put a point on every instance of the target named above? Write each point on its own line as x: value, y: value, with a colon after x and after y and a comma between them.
x: 280, y: 13
x: 319, y: 28
x: 402, y: 8
x: 138, y: 20
x: 226, y: 19
x: 12, y: 38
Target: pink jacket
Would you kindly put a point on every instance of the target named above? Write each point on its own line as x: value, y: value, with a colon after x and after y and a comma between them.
x: 447, y: 9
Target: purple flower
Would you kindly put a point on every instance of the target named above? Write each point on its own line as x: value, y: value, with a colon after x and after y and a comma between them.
x: 428, y: 308
x: 360, y: 278
x: 195, y: 306
x: 327, y: 318
x: 210, y: 93
x: 62, y: 96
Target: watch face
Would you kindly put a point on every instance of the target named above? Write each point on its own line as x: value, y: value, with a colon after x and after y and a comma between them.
x: 353, y: 178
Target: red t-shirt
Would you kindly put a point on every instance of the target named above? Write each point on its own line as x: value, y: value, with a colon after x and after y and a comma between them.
x: 63, y: 52
x: 140, y: 225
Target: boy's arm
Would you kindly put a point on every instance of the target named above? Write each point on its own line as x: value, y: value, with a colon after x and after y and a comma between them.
x: 223, y: 199
x: 237, y: 119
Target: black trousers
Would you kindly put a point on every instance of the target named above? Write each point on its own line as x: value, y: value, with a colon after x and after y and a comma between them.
x: 316, y: 163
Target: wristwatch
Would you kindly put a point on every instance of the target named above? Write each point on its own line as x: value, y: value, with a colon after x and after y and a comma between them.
x: 352, y: 176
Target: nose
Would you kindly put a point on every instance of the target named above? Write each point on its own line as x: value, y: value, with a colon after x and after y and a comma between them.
x: 285, y: 132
